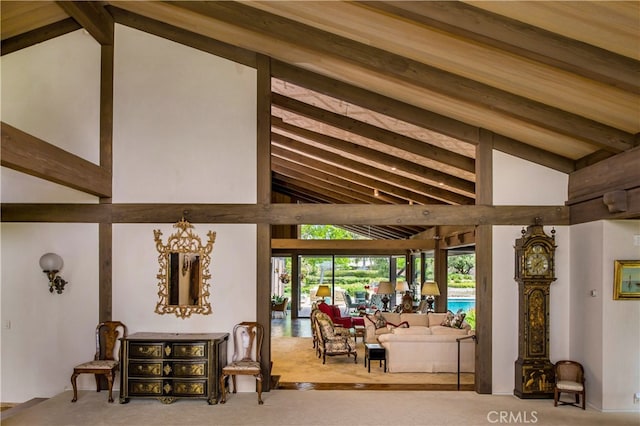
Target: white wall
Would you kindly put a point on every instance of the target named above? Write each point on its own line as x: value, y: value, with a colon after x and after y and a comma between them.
x: 184, y: 131
x: 518, y: 182
x: 605, y: 333
x: 45, y: 334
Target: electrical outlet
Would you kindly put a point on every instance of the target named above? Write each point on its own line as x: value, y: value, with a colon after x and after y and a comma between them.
x: 636, y: 397
x: 6, y: 324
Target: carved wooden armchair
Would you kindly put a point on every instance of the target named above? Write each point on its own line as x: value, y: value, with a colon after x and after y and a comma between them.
x: 332, y: 343
x: 247, y: 344
x: 106, y: 360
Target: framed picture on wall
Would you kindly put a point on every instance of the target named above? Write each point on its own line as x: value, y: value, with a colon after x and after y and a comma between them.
x: 626, y: 281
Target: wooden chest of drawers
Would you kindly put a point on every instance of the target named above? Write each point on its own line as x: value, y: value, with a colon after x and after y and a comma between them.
x: 172, y: 365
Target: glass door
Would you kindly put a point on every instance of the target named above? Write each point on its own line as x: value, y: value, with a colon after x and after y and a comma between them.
x: 314, y: 271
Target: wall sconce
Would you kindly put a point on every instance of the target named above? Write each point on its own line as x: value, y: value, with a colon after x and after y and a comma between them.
x: 51, y: 263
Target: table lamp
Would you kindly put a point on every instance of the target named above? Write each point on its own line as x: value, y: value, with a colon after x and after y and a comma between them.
x: 385, y: 288
x: 323, y: 291
x: 430, y: 289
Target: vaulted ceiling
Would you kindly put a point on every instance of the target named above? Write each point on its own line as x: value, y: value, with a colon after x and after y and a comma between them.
x: 386, y: 102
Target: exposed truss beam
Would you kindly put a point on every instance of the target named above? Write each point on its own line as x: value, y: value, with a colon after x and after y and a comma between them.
x: 519, y: 38
x: 376, y: 60
x: 395, y: 140
x: 93, y: 17
x: 28, y: 154
x: 374, y: 172
x: 287, y: 214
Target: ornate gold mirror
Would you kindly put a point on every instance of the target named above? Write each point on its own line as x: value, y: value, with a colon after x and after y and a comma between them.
x: 184, y: 272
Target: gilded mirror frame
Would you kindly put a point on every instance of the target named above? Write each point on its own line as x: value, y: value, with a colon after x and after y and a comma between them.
x: 184, y: 242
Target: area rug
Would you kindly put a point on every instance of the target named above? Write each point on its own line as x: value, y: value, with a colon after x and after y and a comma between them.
x: 295, y: 360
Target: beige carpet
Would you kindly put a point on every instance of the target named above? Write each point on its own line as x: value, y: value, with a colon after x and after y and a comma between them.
x: 295, y: 360
x: 310, y: 408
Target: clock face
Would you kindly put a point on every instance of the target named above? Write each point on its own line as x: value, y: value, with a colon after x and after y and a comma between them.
x: 537, y: 261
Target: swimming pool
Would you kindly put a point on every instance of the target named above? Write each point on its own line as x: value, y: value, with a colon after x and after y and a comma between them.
x: 464, y: 303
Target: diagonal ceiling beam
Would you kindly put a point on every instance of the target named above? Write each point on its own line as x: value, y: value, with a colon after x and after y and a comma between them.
x: 291, y: 157
x: 470, y: 92
x: 27, y: 154
x: 308, y: 181
x: 305, y: 174
x: 336, y: 176
x: 332, y: 163
x: 38, y: 35
x: 93, y: 17
x: 366, y: 130
x: 415, y: 115
x: 438, y: 177
x: 369, y: 154
x: 317, y: 194
x: 519, y: 38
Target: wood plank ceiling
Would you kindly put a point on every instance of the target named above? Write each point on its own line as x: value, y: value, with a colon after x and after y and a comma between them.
x: 385, y: 102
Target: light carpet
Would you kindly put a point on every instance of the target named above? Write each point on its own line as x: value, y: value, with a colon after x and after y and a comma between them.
x: 294, y: 360
x: 302, y: 408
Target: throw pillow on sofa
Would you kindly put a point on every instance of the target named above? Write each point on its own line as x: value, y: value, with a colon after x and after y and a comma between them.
x: 379, y: 321
x: 454, y: 320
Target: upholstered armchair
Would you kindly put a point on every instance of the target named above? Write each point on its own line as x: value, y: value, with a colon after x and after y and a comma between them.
x: 331, y: 343
x: 333, y: 312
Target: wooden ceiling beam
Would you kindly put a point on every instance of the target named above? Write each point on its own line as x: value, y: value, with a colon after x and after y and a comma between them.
x: 28, y: 154
x: 289, y: 214
x: 337, y: 176
x: 432, y: 79
x: 415, y: 115
x: 328, y: 194
x: 351, y: 176
x: 387, y: 137
x: 299, y: 152
x: 618, y: 173
x: 355, y: 245
x: 426, y: 173
x: 93, y: 17
x: 375, y: 102
x: 391, y: 162
x: 318, y: 178
x: 184, y: 37
x: 369, y: 170
x: 466, y: 21
x: 319, y: 186
x: 38, y: 35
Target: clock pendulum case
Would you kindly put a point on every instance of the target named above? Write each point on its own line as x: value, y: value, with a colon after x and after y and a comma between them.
x: 534, y: 272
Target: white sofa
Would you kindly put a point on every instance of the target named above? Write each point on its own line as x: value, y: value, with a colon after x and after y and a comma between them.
x: 425, y: 346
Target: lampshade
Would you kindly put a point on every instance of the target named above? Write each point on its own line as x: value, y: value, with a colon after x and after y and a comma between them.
x: 430, y: 288
x: 323, y: 291
x: 50, y: 262
x: 402, y: 286
x: 385, y: 287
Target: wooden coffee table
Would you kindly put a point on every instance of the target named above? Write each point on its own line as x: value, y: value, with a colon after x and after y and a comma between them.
x: 374, y: 352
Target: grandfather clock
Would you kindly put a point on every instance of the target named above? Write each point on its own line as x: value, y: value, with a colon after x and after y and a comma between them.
x: 534, y: 251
